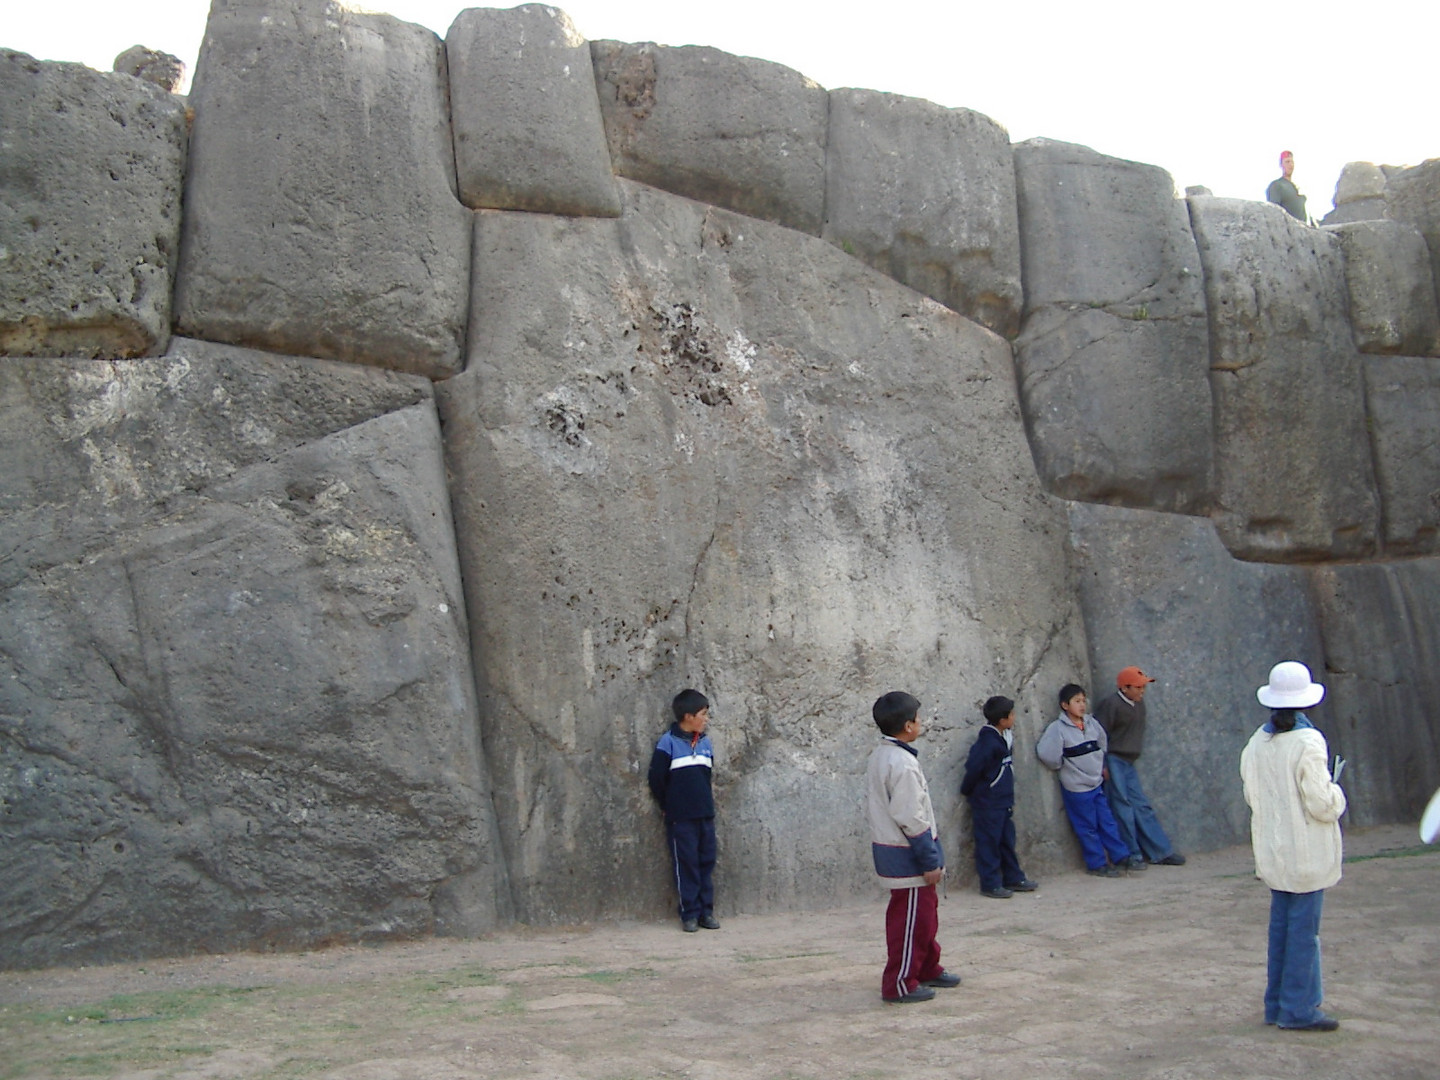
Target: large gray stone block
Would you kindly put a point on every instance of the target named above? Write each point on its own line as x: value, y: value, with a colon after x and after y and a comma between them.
x: 694, y: 449
x: 91, y: 169
x: 1113, y: 358
x: 1392, y: 293
x: 320, y: 210
x: 235, y: 688
x: 1293, y: 465
x: 528, y: 133
x: 1413, y: 196
x: 734, y: 131
x: 1382, y: 676
x: 1402, y: 394
x: 1161, y: 592
x: 926, y: 195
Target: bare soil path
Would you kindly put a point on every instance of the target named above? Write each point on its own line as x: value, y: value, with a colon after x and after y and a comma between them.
x: 1157, y: 975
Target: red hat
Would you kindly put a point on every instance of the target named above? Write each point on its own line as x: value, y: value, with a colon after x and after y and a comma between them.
x: 1284, y: 154
x: 1132, y: 676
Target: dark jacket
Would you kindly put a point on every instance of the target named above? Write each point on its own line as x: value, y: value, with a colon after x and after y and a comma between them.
x: 989, y: 778
x: 680, y: 770
x: 1124, y: 724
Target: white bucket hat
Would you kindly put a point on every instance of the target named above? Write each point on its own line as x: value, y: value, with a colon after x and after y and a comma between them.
x: 1290, y: 687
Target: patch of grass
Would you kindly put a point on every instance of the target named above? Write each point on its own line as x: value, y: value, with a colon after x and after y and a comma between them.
x: 1396, y: 853
x: 747, y: 958
x: 608, y: 978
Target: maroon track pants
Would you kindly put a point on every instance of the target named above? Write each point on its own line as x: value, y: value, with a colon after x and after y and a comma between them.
x: 911, y: 922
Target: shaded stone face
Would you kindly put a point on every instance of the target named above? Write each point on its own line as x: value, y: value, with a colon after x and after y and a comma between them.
x: 691, y: 449
x: 1392, y: 294
x: 1294, y: 475
x: 745, y: 134
x: 237, y: 697
x: 321, y: 211
x: 1413, y: 196
x: 91, y: 168
x: 1114, y: 353
x: 926, y: 195
x: 1402, y: 396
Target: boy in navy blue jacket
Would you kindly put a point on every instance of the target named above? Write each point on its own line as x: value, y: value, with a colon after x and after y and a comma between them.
x: 680, y: 770
x: 989, y: 784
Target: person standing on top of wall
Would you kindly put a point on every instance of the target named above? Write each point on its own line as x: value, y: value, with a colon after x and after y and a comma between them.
x: 1122, y: 715
x: 1282, y: 190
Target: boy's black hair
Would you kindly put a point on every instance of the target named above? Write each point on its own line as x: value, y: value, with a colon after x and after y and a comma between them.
x: 1069, y: 690
x: 894, y: 710
x: 688, y: 703
x: 997, y: 708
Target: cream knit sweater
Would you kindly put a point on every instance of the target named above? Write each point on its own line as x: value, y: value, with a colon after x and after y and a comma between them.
x: 1294, y: 810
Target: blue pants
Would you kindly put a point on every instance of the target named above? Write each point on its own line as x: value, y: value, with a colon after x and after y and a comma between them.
x: 1292, y: 984
x: 692, y: 849
x: 1089, y: 814
x: 995, y: 859
x: 1134, y: 816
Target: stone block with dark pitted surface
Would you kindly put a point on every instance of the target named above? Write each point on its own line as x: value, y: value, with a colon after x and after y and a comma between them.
x: 1392, y: 291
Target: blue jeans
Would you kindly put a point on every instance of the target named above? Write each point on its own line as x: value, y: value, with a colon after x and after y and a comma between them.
x: 1292, y: 985
x: 1134, y: 816
x: 1090, y: 817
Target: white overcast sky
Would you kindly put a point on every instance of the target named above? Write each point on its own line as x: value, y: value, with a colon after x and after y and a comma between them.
x: 1211, y: 91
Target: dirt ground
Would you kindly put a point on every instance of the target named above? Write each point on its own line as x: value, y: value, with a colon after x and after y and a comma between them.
x: 1156, y: 975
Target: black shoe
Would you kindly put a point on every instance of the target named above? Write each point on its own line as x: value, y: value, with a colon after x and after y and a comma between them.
x: 709, y: 922
x: 920, y: 993
x: 1001, y: 893
x: 1173, y: 859
x: 1024, y: 885
x: 1134, y: 862
x: 946, y: 980
x: 1322, y: 1022
x: 1103, y: 871
x: 690, y: 925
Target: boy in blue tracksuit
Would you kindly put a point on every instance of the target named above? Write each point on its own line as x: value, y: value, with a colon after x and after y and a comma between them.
x: 989, y: 784
x: 680, y: 770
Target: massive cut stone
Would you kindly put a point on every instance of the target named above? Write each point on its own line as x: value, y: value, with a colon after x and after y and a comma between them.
x: 1392, y: 295
x: 1413, y: 196
x: 1402, y: 394
x: 528, y: 133
x: 1114, y: 354
x: 91, y: 167
x: 235, y: 687
x: 927, y: 195
x: 1294, y: 473
x: 694, y: 449
x: 1382, y: 675
x: 1160, y: 591
x: 320, y: 211
x: 729, y: 130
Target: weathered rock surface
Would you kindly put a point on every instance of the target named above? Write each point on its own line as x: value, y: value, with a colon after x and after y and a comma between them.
x: 1382, y: 683
x: 152, y: 65
x: 1392, y: 294
x: 528, y: 133
x: 1402, y: 394
x: 926, y: 195
x: 1359, y: 181
x: 91, y: 169
x: 320, y: 211
x: 1114, y: 355
x: 694, y: 449
x: 1413, y: 196
x: 236, y: 694
x: 745, y: 134
x: 1160, y: 591
x: 1293, y: 467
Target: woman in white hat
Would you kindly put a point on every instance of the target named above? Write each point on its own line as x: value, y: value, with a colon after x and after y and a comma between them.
x: 1295, y: 811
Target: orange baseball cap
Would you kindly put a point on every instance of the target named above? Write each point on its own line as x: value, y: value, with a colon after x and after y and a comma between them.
x: 1132, y: 676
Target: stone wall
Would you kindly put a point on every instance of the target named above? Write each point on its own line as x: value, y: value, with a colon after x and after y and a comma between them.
x: 520, y: 381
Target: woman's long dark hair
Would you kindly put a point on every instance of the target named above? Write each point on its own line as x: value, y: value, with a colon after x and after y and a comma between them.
x: 1283, y: 719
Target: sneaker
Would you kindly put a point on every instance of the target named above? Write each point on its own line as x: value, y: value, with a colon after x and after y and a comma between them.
x: 1322, y: 1022
x: 946, y: 980
x: 1173, y: 859
x: 709, y: 922
x: 1023, y: 885
x: 1103, y: 871
x: 920, y: 993
x: 1001, y: 893
x: 689, y: 925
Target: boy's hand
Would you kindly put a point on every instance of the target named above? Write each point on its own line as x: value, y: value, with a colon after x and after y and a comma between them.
x: 932, y: 877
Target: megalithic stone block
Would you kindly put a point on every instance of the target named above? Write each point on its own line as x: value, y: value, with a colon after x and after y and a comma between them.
x: 1402, y: 396
x: 1392, y: 291
x: 1413, y: 196
x: 91, y: 169
x: 528, y: 133
x: 1295, y: 480
x: 320, y: 211
x: 1113, y: 358
x: 927, y: 195
x: 737, y: 132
